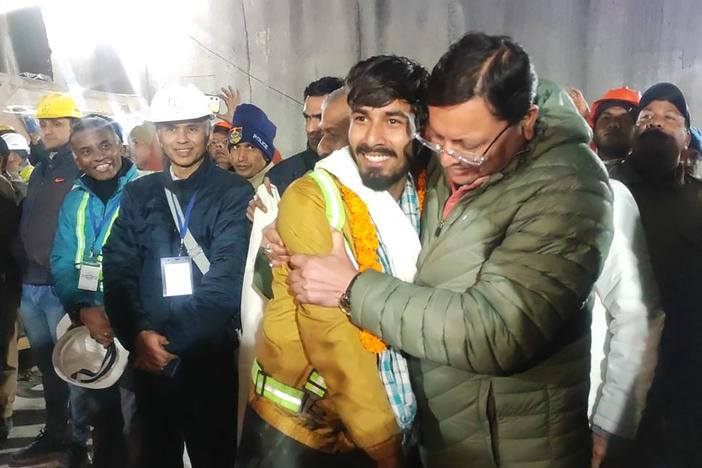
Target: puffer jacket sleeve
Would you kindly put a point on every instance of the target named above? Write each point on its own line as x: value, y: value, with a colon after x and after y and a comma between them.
x: 63, y: 257
x: 529, y: 292
x: 629, y: 293
x: 216, y: 302
x: 121, y: 267
x: 331, y: 342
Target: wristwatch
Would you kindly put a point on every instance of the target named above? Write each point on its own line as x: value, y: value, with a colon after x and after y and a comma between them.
x: 345, y: 298
x: 345, y: 303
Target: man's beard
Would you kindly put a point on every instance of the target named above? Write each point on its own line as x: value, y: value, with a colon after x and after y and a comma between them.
x: 374, y: 179
x: 655, y: 155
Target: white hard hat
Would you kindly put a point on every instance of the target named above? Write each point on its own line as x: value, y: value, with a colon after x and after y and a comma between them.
x: 176, y: 103
x: 63, y: 326
x: 80, y: 360
x: 15, y: 142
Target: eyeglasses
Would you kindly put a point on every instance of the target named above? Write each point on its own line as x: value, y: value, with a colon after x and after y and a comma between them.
x: 471, y: 159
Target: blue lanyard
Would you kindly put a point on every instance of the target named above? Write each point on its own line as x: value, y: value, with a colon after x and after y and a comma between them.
x: 183, y: 223
x: 98, y: 225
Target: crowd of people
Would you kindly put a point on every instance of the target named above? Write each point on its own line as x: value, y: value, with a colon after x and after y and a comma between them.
x: 468, y: 267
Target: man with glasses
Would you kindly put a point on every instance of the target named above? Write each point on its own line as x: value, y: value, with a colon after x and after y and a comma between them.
x: 515, y: 230
x: 670, y: 202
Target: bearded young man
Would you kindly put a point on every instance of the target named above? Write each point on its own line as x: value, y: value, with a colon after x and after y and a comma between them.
x: 514, y: 233
x: 322, y: 393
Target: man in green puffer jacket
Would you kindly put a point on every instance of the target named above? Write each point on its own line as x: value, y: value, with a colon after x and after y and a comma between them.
x: 514, y: 232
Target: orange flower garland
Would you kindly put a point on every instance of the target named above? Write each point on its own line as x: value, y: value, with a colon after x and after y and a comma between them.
x: 421, y: 189
x: 365, y: 243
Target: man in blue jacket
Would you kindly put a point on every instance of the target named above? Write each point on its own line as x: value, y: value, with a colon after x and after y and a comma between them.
x: 173, y: 271
x: 85, y: 222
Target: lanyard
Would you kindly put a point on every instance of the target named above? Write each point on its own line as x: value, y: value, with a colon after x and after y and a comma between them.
x: 99, y: 224
x: 181, y: 220
x: 80, y: 227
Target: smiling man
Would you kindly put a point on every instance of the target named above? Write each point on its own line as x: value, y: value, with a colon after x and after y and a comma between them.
x: 320, y: 397
x: 515, y: 229
x: 85, y: 222
x: 173, y: 269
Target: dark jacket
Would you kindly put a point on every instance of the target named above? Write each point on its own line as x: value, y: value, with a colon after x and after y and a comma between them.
x: 285, y: 172
x: 10, y: 277
x: 51, y: 180
x: 671, y: 215
x: 497, y: 323
x: 9, y: 214
x: 37, y: 153
x: 145, y: 232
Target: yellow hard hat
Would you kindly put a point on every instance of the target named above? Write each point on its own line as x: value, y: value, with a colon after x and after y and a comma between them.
x: 57, y: 106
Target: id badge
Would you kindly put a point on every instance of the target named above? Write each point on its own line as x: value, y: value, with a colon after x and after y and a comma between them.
x: 177, y: 275
x: 89, y: 275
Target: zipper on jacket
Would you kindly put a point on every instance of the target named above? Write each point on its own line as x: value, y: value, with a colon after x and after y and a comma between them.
x: 491, y: 414
x: 439, y: 228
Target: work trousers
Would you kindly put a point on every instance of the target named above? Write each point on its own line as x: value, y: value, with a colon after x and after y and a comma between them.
x: 9, y: 304
x: 41, y: 311
x: 196, y: 407
x: 264, y: 446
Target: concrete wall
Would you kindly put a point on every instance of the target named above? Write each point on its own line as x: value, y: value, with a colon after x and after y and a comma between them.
x: 270, y: 49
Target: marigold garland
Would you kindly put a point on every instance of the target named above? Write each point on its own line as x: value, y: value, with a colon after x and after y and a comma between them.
x: 421, y: 189
x: 365, y: 243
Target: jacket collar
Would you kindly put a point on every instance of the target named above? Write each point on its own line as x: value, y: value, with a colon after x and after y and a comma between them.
x: 625, y: 172
x: 126, y: 174
x: 257, y: 179
x: 197, y: 179
x: 62, y: 152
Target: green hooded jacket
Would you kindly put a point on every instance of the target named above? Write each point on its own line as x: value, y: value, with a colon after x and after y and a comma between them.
x: 497, y: 323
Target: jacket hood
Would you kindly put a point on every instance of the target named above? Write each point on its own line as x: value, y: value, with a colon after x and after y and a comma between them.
x: 559, y: 122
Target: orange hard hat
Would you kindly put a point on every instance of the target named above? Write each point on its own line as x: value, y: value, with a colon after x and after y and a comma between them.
x: 222, y: 124
x: 623, y: 95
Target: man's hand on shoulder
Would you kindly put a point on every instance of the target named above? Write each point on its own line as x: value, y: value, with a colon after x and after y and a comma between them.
x: 322, y: 279
x: 273, y: 246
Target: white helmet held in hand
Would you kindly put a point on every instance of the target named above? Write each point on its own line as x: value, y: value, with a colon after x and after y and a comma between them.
x: 177, y: 103
x: 80, y: 360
